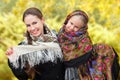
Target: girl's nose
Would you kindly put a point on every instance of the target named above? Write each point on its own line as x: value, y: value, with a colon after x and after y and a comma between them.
x: 71, y: 28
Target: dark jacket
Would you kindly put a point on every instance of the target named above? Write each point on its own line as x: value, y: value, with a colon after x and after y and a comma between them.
x: 45, y: 71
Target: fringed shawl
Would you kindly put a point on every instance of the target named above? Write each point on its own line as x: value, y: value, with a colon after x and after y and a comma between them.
x: 74, y: 44
x: 34, y: 55
x: 44, y: 49
x: 79, y: 51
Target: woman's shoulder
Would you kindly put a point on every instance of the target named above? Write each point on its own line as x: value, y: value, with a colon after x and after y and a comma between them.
x: 23, y: 42
x: 54, y: 32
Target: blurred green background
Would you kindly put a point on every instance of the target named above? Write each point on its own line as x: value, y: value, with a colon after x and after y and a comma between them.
x: 104, y: 22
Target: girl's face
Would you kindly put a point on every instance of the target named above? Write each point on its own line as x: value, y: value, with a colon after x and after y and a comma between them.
x: 34, y: 25
x: 74, y: 24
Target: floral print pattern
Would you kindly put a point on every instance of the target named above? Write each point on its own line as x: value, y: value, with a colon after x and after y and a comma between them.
x: 75, y: 45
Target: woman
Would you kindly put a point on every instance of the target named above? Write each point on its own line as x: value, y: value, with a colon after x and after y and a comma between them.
x: 82, y: 59
x: 39, y: 56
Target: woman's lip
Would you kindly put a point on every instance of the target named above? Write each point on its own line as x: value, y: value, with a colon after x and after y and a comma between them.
x: 35, y: 31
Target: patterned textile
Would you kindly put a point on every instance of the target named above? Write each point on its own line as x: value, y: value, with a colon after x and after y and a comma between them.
x: 72, y: 74
x: 103, y: 63
x: 74, y: 44
x: 76, y: 47
x: 43, y: 49
x: 34, y: 55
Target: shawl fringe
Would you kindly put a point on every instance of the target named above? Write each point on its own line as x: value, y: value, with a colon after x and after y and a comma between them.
x: 34, y: 55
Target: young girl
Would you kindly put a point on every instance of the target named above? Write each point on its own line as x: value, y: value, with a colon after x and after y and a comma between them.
x: 82, y: 59
x: 39, y: 56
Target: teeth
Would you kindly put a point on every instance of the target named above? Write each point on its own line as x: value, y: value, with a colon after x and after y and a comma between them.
x: 34, y: 32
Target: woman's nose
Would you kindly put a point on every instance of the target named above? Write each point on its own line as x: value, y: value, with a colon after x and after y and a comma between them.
x: 32, y: 27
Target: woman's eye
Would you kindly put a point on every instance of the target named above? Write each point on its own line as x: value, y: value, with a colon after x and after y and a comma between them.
x: 28, y: 25
x: 34, y: 23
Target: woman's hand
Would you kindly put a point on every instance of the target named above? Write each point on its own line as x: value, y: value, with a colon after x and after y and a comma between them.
x: 9, y: 51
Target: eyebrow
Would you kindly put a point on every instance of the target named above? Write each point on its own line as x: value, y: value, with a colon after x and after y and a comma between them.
x: 34, y: 22
x: 74, y: 24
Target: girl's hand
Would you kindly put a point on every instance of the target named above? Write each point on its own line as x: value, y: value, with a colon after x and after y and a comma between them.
x: 9, y: 51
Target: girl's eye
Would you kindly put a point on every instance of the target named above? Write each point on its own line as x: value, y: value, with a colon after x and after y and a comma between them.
x: 76, y: 27
x: 71, y: 23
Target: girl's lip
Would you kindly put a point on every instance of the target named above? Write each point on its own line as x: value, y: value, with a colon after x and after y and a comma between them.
x: 67, y: 30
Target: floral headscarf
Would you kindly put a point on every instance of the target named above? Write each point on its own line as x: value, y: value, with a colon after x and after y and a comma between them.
x: 75, y: 44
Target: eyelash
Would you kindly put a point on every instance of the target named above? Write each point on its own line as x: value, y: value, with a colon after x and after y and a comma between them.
x: 28, y: 25
x: 76, y: 26
x: 32, y: 24
x: 71, y: 23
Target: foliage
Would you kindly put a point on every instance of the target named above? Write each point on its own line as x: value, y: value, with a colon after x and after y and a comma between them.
x: 103, y: 22
x: 6, y: 5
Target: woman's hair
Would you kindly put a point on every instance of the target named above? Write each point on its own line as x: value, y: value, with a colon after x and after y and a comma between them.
x: 81, y: 13
x: 33, y: 11
x: 36, y: 12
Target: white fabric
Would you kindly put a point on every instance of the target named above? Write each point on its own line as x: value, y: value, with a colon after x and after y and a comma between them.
x: 35, y: 54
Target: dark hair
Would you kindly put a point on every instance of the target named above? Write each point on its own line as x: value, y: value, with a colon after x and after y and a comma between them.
x: 33, y: 11
x: 36, y: 12
x: 78, y: 12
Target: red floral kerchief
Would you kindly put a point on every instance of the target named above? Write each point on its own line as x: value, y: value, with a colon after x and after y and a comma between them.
x: 74, y: 44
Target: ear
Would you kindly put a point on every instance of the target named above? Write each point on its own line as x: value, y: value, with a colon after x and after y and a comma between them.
x: 42, y: 20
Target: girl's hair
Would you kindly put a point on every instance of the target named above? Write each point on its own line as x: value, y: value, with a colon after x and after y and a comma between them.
x: 36, y: 12
x: 83, y: 15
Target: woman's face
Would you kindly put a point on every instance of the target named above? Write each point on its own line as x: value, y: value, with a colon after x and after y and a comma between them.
x: 34, y: 25
x: 74, y: 24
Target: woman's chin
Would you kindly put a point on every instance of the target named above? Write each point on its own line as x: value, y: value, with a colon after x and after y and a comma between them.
x: 36, y: 35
